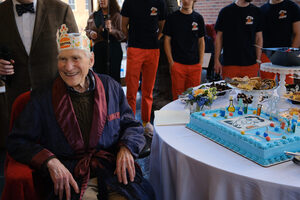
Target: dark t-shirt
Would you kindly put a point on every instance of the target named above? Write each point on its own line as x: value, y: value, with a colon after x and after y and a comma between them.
x: 143, y: 22
x: 278, y: 23
x: 185, y: 31
x: 239, y: 26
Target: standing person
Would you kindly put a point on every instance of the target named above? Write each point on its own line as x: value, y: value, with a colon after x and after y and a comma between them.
x: 29, y: 35
x: 281, y: 29
x: 239, y: 33
x: 184, y: 46
x: 104, y: 28
x: 142, y: 24
x: 79, y: 133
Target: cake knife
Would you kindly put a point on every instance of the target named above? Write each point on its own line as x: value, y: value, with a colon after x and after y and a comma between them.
x: 292, y: 153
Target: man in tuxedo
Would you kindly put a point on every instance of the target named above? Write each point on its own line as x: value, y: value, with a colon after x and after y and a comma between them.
x: 28, y: 34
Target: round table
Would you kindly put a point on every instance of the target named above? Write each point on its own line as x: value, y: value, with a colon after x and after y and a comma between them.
x: 185, y: 165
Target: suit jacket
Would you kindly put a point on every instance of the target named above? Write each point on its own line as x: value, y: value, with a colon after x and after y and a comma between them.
x: 40, y: 67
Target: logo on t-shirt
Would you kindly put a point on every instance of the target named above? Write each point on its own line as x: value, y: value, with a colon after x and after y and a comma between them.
x: 249, y: 20
x: 282, y: 14
x: 153, y: 11
x: 194, y: 26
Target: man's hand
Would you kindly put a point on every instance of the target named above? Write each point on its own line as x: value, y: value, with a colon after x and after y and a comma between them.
x: 125, y: 162
x: 6, y: 67
x: 170, y: 66
x: 108, y: 25
x: 93, y: 35
x: 61, y: 178
x: 218, y: 67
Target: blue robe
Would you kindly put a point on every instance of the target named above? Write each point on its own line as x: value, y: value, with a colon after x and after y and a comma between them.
x: 48, y: 127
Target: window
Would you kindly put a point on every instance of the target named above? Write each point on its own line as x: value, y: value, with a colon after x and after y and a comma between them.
x: 72, y: 4
x: 120, y: 2
x: 87, y: 4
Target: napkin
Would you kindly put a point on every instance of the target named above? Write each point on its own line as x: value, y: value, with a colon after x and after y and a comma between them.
x: 171, y: 117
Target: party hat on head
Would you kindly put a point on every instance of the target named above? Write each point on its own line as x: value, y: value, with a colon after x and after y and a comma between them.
x: 67, y: 40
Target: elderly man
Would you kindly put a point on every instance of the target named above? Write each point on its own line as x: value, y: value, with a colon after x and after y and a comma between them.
x: 239, y: 33
x: 80, y: 132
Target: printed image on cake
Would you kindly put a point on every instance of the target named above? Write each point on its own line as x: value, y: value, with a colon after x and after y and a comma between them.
x: 260, y: 138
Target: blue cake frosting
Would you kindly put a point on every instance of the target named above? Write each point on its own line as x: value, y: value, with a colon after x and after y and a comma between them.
x: 261, y: 139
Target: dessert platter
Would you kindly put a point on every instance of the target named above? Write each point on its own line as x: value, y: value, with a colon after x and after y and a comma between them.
x: 254, y: 84
x: 221, y: 88
x: 293, y: 93
x: 252, y: 133
x: 290, y: 113
x: 255, y: 87
x: 294, y: 97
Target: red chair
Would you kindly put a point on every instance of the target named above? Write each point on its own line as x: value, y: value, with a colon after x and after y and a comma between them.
x: 18, y: 177
x: 210, y: 31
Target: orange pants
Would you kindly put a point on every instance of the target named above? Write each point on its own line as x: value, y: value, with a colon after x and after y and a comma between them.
x: 184, y: 77
x: 269, y: 75
x: 240, y: 71
x: 145, y: 61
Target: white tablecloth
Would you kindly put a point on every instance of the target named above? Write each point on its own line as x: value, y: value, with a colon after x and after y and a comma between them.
x: 184, y: 165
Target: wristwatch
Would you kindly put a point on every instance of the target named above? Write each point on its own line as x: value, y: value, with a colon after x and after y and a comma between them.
x: 258, y: 61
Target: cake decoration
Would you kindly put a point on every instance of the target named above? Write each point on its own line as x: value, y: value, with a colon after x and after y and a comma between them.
x: 258, y: 111
x: 222, y: 112
x: 255, y: 137
x: 282, y: 125
x: 231, y: 107
x: 67, y: 40
x: 245, y: 108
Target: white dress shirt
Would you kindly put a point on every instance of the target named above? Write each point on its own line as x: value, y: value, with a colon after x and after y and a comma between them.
x: 25, y: 24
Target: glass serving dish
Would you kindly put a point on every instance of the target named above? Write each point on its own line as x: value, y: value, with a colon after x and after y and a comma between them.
x: 256, y: 94
x: 222, y: 87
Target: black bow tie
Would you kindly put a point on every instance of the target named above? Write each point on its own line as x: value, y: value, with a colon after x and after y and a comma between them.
x: 23, y: 8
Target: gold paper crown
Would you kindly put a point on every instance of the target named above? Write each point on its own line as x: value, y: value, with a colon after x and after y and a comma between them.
x: 71, y: 40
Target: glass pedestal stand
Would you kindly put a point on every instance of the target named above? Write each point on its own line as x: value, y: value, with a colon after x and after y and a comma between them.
x: 282, y: 104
